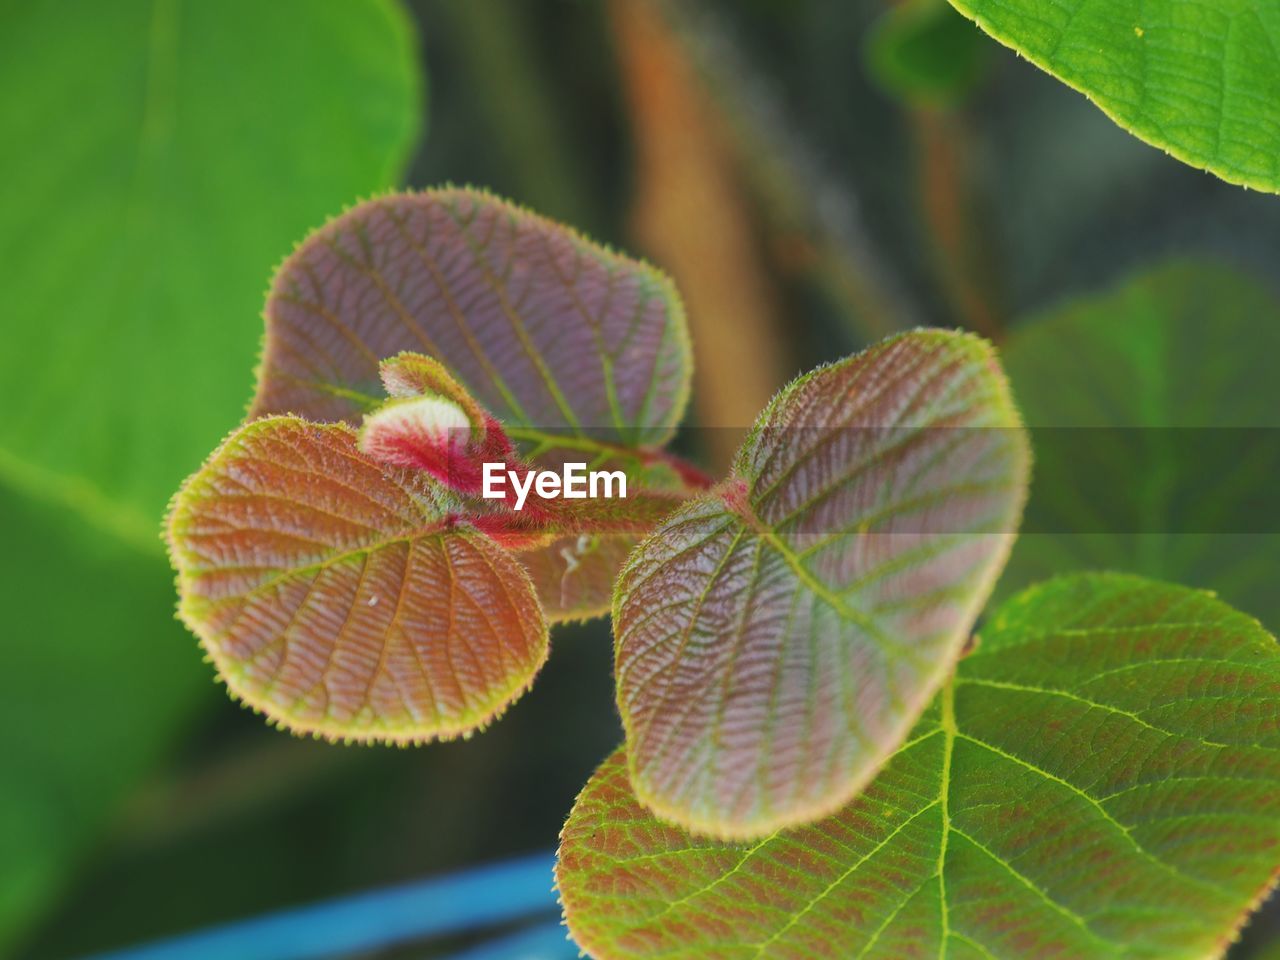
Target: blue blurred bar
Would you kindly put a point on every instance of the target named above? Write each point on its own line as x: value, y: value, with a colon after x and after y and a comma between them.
x: 456, y: 903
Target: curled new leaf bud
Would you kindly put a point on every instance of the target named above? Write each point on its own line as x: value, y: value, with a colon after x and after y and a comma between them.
x: 435, y: 435
x: 419, y: 432
x: 581, y: 353
x: 408, y: 375
x: 432, y: 424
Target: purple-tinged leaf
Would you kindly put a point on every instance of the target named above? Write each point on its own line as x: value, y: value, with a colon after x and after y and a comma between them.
x: 574, y: 575
x: 775, y: 641
x: 546, y: 329
x: 581, y: 353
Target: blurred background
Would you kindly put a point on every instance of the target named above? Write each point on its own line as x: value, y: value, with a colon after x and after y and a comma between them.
x: 815, y: 174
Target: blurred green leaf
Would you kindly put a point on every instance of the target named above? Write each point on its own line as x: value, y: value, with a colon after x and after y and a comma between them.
x: 1199, y: 80
x: 1154, y: 411
x: 98, y: 677
x: 925, y: 53
x: 1270, y: 951
x: 162, y: 157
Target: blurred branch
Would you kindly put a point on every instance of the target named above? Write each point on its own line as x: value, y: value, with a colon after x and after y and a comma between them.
x: 238, y: 784
x: 817, y: 220
x: 930, y: 60
x: 950, y: 205
x: 691, y: 214
x: 523, y: 118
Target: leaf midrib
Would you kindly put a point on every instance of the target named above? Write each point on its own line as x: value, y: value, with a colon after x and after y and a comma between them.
x: 950, y: 728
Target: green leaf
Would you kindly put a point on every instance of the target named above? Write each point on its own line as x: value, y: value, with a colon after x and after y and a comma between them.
x: 173, y: 151
x: 580, y: 352
x: 160, y: 155
x: 776, y: 639
x: 1198, y: 80
x: 340, y: 598
x: 99, y: 682
x: 925, y: 53
x: 1101, y: 779
x: 1156, y: 443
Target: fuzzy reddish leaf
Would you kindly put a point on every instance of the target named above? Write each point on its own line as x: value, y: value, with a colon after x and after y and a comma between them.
x: 775, y: 642
x: 414, y: 375
x: 546, y: 329
x: 578, y: 351
x: 344, y: 598
x: 574, y: 575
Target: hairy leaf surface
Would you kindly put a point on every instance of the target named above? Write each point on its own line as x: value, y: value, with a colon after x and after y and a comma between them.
x: 574, y: 576
x: 583, y: 354
x: 1100, y: 779
x: 1198, y: 78
x: 544, y: 328
x: 341, y: 598
x: 1159, y: 443
x: 776, y: 640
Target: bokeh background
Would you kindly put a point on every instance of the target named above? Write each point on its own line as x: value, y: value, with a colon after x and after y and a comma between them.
x: 814, y: 173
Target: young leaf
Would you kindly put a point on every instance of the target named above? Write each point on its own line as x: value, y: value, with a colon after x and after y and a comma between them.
x: 545, y: 329
x: 403, y: 431
x: 574, y: 348
x: 432, y: 424
x: 413, y: 375
x: 1101, y: 779
x: 341, y: 597
x: 574, y: 575
x: 1158, y: 444
x: 775, y: 641
x: 1199, y: 80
